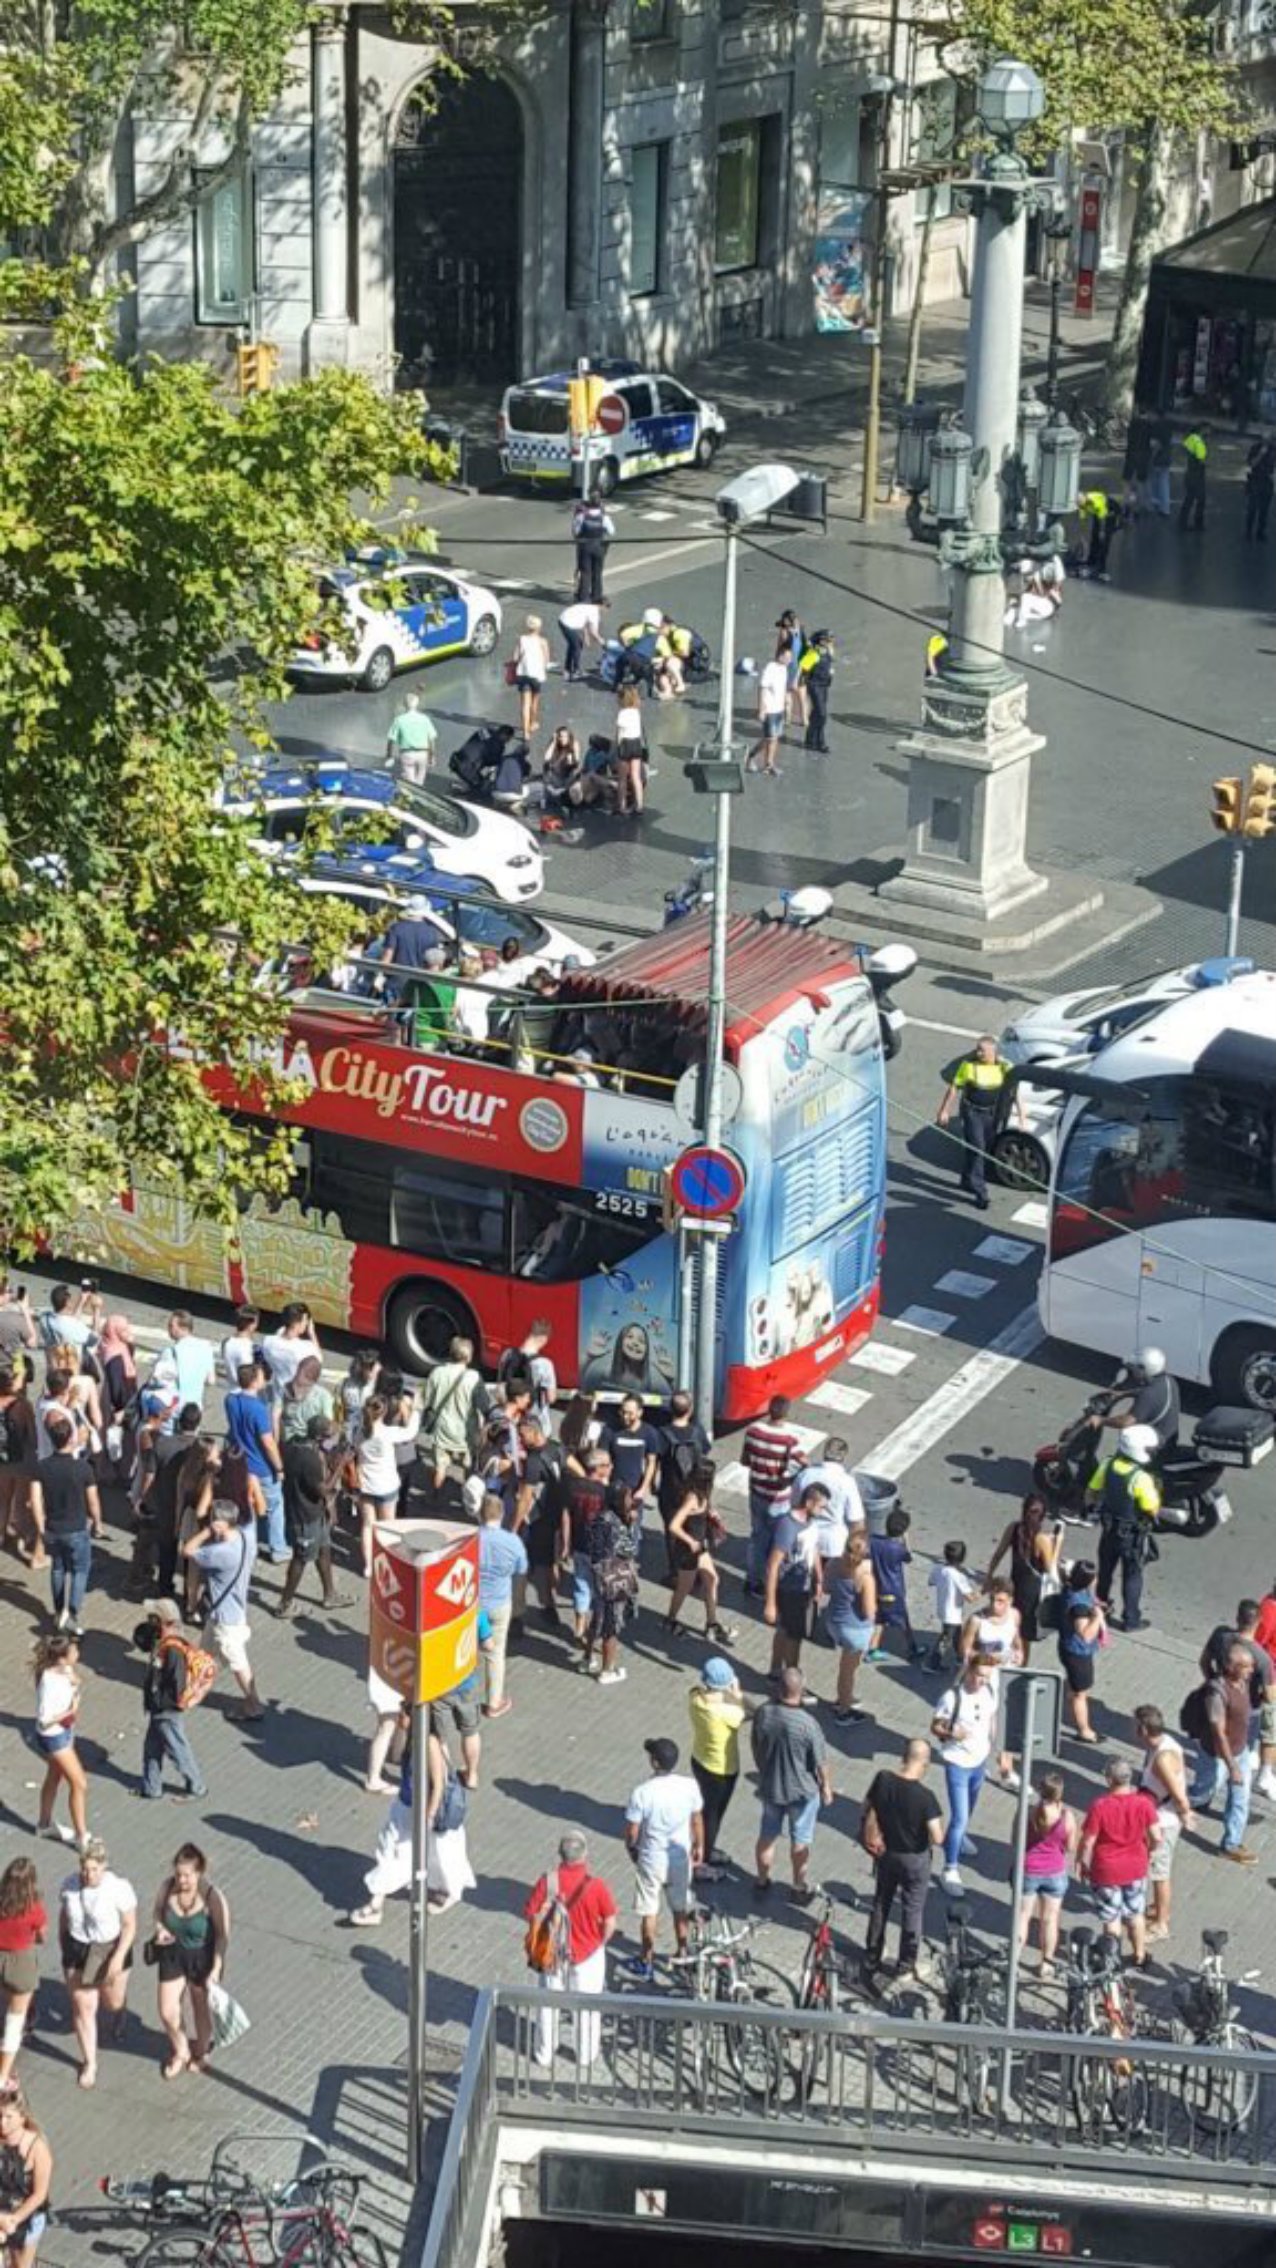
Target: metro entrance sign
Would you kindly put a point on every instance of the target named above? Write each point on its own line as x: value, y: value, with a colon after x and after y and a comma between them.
x: 424, y: 1606
x: 706, y: 1182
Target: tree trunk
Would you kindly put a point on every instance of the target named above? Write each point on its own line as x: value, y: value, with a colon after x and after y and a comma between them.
x: 914, y: 354
x: 1148, y: 232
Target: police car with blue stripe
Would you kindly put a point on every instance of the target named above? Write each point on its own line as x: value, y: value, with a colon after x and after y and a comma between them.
x: 491, y: 848
x: 381, y: 880
x: 644, y: 422
x: 396, y: 609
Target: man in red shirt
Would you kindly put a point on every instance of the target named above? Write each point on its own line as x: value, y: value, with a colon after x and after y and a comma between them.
x: 771, y: 1453
x: 1121, y: 1831
x: 586, y: 1913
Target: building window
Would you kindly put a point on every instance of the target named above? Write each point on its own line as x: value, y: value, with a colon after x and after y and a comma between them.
x: 735, y: 241
x: 647, y: 202
x: 650, y: 19
x: 223, y: 252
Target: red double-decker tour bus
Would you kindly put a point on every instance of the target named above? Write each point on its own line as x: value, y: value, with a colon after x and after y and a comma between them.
x: 476, y: 1187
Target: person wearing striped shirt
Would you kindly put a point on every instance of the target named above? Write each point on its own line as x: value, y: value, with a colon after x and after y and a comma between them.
x: 771, y: 1454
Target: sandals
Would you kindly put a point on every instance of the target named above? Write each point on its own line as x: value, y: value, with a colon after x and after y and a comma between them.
x: 87, y: 2075
x: 173, y: 2069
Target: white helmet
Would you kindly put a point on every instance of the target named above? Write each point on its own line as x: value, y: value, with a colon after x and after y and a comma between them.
x: 1150, y: 1362
x: 1140, y: 1442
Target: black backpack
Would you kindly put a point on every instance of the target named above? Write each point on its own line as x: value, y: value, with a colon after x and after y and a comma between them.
x: 10, y: 1452
x: 679, y: 1462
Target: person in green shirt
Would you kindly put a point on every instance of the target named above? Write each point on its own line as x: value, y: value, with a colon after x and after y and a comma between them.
x: 428, y: 1000
x: 409, y: 743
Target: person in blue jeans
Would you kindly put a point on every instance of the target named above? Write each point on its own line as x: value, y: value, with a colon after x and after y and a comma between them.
x: 67, y: 1511
x: 162, y: 1693
x: 250, y: 1427
x: 1225, y: 1767
x: 964, y: 1724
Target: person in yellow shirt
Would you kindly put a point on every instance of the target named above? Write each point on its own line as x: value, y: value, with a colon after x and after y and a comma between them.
x: 936, y: 648
x: 718, y: 1710
x: 976, y: 1089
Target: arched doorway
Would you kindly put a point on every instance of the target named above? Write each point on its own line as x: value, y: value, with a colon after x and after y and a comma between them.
x: 458, y: 173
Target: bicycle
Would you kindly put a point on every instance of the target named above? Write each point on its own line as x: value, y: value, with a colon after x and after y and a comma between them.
x: 227, y: 2220
x: 974, y: 1993
x: 719, y: 1967
x: 1205, y: 2015
x: 823, y: 1988
x: 1100, y: 2004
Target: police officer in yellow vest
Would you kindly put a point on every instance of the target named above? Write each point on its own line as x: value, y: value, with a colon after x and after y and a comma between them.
x: 1196, y: 449
x: 977, y: 1089
x: 1128, y: 1497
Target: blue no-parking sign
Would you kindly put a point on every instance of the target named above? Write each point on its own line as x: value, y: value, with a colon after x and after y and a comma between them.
x: 708, y: 1183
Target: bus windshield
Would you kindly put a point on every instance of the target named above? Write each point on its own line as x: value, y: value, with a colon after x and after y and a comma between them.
x: 1172, y: 1149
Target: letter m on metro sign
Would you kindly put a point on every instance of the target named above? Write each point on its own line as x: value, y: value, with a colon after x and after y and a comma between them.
x: 423, y: 1602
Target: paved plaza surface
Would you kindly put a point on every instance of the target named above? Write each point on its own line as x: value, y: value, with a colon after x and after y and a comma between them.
x: 953, y: 1397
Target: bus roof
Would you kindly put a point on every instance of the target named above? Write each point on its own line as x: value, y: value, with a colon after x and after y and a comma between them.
x: 769, y: 966
x: 1227, y: 1032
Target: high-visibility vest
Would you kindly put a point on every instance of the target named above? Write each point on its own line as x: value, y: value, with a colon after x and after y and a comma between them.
x: 1196, y: 446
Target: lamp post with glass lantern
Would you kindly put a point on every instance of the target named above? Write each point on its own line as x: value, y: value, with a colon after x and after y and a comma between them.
x: 990, y: 477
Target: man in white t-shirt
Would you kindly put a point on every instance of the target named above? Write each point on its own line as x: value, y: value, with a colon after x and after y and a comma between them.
x: 845, y: 1507
x: 185, y: 1366
x: 664, y: 1836
x: 964, y: 1725
x: 287, y: 1348
x: 582, y: 625
x: 773, y: 700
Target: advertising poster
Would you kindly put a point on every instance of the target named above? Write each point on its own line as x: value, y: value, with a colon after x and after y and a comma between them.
x: 841, y: 270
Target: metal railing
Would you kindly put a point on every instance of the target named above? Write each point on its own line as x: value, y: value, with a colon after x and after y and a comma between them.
x: 1120, y: 2109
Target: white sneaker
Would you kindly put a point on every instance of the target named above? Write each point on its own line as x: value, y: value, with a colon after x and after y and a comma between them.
x: 1011, y: 1779
x: 1266, y: 1783
x: 952, y: 1881
x: 56, y: 1833
x: 612, y: 1676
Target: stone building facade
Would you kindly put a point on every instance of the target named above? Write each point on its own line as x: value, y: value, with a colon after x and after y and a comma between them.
x: 642, y: 177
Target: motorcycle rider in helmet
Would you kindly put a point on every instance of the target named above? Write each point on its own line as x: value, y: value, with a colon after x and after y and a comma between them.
x: 1128, y: 1495
x: 1144, y: 1393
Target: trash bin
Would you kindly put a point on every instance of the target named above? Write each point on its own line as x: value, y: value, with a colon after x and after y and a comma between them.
x: 810, y: 499
x: 879, y: 1497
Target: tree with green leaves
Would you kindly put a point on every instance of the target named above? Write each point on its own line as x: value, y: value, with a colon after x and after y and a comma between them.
x: 72, y: 73
x: 1143, y: 65
x: 158, y: 546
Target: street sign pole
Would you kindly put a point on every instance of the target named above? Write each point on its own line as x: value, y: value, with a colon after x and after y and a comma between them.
x: 686, y: 1303
x: 706, y: 1336
x: 419, y: 1943
x: 1235, y: 889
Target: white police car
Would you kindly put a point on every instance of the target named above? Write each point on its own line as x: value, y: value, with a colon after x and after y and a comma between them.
x: 456, y: 838
x: 382, y: 879
x: 400, y: 609
x: 646, y: 422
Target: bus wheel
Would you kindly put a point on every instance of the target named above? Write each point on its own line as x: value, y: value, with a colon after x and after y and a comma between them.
x: 1244, y: 1370
x: 422, y: 1322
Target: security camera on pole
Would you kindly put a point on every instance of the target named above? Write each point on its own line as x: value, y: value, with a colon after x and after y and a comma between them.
x: 717, y: 770
x: 992, y: 477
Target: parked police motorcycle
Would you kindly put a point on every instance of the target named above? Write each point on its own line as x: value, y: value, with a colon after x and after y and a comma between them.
x: 1190, y: 1475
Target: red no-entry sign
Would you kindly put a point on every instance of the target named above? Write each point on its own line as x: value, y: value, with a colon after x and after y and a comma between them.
x: 610, y: 414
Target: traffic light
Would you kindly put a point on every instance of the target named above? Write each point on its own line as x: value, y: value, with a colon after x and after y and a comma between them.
x: 1260, y: 817
x: 256, y: 365
x: 1227, y: 806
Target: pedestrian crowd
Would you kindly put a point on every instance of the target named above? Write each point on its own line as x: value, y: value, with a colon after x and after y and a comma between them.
x: 573, y: 1499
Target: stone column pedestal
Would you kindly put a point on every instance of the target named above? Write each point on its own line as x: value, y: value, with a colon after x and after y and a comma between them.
x: 968, y: 804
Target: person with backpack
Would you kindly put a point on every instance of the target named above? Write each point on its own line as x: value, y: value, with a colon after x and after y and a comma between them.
x: 453, y: 1406
x: 178, y: 1675
x: 224, y: 1551
x: 528, y: 1367
x: 448, y: 1871
x: 571, y: 1918
x: 684, y: 1445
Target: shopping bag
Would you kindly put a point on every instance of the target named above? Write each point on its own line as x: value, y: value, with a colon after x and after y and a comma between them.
x: 230, y: 2021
